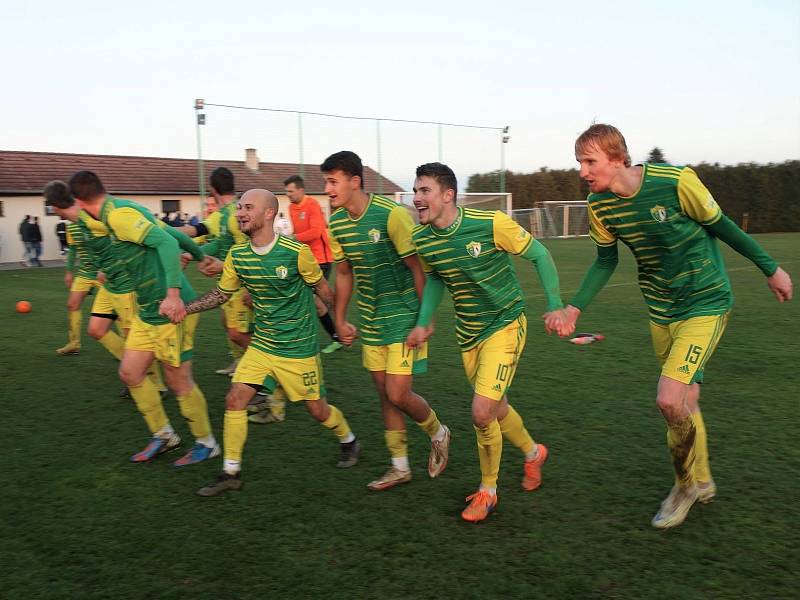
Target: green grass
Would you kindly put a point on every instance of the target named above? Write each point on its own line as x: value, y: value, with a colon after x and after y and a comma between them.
x: 79, y: 521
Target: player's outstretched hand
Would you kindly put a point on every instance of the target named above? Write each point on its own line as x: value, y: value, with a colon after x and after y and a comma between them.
x: 186, y: 258
x: 172, y: 307
x: 101, y: 277
x: 559, y: 321
x: 418, y: 336
x: 781, y: 285
x: 347, y: 333
x: 210, y: 266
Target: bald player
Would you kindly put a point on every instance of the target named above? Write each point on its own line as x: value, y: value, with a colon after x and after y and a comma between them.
x: 279, y: 274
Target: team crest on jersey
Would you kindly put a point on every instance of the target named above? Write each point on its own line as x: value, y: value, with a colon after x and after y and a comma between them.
x: 281, y: 272
x: 474, y: 249
x: 374, y: 235
x: 659, y: 213
x: 521, y: 234
x: 710, y: 202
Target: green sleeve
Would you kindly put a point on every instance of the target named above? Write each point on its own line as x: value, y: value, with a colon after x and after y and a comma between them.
x: 71, y: 259
x: 597, y: 276
x: 168, y: 254
x: 548, y: 275
x: 431, y: 298
x: 211, y: 248
x: 186, y: 243
x: 729, y: 232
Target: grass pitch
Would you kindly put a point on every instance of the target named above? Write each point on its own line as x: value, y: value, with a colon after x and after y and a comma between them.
x: 79, y: 521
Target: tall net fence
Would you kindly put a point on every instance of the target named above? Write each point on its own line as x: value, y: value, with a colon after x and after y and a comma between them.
x: 391, y: 147
x: 555, y: 219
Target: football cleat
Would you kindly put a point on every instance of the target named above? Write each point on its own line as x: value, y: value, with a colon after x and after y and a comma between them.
x: 69, y: 349
x: 391, y: 478
x: 349, y: 454
x: 257, y: 404
x: 706, y: 491
x: 156, y: 447
x: 125, y: 394
x: 331, y: 348
x: 675, y: 507
x: 482, y: 503
x: 222, y: 483
x: 265, y: 417
x: 197, y: 454
x: 533, y: 470
x: 229, y: 370
x: 437, y: 461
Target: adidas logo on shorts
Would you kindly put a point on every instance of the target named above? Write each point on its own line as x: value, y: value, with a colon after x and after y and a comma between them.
x: 496, y: 387
x: 684, y: 369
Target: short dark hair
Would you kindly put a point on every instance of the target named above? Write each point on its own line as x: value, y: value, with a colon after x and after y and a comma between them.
x: 221, y: 180
x: 295, y: 179
x: 56, y: 193
x: 346, y: 161
x: 86, y: 185
x: 443, y: 175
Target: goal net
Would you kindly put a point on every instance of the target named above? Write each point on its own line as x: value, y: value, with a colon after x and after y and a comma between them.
x: 555, y: 219
x: 483, y: 200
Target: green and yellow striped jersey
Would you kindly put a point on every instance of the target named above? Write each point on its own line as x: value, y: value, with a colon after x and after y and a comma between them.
x: 471, y: 257
x: 128, y: 224
x: 118, y: 279
x: 77, y: 240
x: 227, y: 231
x: 681, y: 272
x: 375, y: 245
x: 278, y: 282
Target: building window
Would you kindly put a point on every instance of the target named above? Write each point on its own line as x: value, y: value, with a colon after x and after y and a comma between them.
x: 49, y: 210
x: 170, y: 206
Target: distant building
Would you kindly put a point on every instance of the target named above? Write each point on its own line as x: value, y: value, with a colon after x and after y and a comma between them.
x: 164, y: 185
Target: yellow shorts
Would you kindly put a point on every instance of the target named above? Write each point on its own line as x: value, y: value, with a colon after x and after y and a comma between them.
x: 83, y: 284
x: 107, y: 304
x: 684, y: 347
x: 300, y: 378
x: 491, y: 365
x: 171, y: 343
x: 395, y: 359
x: 238, y: 316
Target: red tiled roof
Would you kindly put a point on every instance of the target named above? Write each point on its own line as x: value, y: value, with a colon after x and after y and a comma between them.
x: 28, y: 172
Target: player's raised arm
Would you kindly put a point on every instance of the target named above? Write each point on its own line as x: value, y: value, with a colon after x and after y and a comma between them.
x: 228, y: 284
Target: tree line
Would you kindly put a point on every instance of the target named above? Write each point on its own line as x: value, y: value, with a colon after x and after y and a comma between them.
x: 769, y: 194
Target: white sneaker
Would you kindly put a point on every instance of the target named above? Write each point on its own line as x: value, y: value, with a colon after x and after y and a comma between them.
x: 675, y: 507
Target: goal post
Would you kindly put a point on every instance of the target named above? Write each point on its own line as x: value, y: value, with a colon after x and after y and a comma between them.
x: 555, y: 219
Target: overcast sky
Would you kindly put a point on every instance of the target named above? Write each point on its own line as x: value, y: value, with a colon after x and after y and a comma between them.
x: 705, y: 81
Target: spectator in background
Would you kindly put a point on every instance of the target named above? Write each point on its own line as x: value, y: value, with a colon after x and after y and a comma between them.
x: 36, y: 242
x: 282, y: 225
x: 61, y: 232
x: 194, y: 220
x: 24, y: 234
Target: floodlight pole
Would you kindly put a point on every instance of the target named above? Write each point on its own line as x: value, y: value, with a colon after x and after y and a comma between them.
x: 300, y: 142
x: 503, y: 141
x: 380, y: 158
x: 200, y: 119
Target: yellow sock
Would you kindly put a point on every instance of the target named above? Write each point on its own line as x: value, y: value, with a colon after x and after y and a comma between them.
x: 75, y: 318
x: 396, y: 442
x: 234, y: 433
x: 148, y: 401
x: 194, y: 410
x: 154, y: 373
x: 514, y: 431
x: 235, y: 349
x: 277, y: 405
x: 490, y: 449
x: 337, y: 423
x: 680, y: 439
x: 113, y: 343
x: 431, y: 424
x: 702, y: 470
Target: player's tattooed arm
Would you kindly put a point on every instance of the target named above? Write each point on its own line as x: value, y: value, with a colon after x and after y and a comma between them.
x: 211, y: 299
